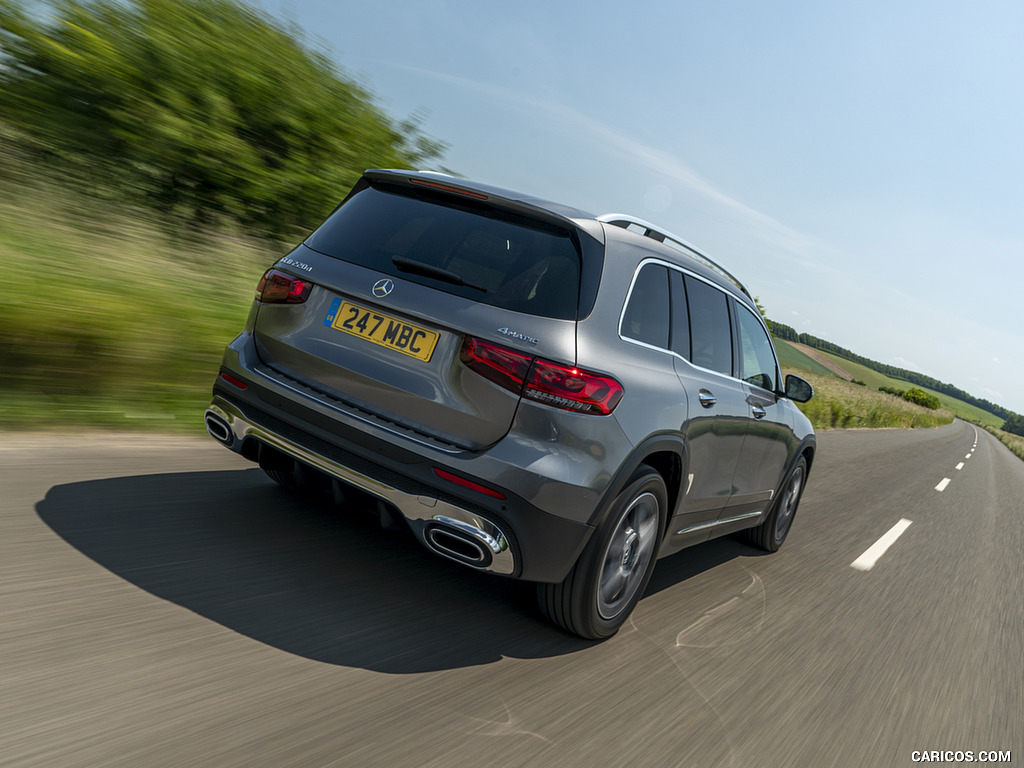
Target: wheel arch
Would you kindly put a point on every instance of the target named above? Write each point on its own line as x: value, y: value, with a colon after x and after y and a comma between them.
x: 667, y: 455
x: 807, y: 448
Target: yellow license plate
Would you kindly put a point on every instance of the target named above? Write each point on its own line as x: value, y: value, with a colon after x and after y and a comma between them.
x: 382, y: 329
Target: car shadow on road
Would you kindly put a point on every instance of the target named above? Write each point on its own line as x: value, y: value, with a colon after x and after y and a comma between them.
x: 312, y: 580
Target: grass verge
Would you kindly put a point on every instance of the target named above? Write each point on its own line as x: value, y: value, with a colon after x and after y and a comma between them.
x: 115, y: 319
x: 1014, y: 442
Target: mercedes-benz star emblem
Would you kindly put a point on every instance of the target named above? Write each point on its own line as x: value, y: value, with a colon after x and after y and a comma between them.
x: 383, y: 287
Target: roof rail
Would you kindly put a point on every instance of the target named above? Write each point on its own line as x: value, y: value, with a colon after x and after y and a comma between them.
x: 660, y: 235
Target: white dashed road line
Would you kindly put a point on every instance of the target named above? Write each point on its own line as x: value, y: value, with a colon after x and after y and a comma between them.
x: 946, y: 481
x: 867, y: 561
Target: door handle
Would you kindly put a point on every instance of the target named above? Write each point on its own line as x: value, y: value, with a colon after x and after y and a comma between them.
x: 706, y: 398
x: 759, y: 412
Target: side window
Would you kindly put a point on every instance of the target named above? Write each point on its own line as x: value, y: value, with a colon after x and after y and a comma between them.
x: 680, y: 316
x: 646, y: 317
x: 710, y: 333
x: 755, y: 352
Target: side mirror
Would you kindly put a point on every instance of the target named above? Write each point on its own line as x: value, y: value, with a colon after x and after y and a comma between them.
x: 798, y: 390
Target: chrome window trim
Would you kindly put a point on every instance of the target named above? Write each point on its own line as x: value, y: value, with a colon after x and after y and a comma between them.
x: 684, y: 271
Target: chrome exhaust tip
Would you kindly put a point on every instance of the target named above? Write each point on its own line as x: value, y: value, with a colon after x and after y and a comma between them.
x: 458, y: 545
x: 218, y: 428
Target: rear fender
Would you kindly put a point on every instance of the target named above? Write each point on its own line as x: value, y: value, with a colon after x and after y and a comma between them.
x: 653, y: 451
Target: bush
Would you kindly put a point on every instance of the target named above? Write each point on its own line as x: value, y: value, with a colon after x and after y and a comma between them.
x: 920, y: 397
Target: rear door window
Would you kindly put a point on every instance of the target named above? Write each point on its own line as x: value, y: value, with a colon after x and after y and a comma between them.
x: 710, y: 331
x: 501, y: 258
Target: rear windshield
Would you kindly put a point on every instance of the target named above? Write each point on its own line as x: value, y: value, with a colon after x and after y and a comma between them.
x: 504, y: 259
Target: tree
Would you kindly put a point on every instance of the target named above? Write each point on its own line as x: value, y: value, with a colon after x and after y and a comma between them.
x: 1015, y: 424
x: 203, y: 108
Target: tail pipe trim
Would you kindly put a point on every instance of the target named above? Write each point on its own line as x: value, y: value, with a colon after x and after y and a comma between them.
x: 218, y: 428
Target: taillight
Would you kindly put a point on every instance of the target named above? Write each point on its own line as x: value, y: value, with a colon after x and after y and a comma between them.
x: 542, y: 380
x: 278, y: 287
x: 505, y: 367
x: 572, y: 389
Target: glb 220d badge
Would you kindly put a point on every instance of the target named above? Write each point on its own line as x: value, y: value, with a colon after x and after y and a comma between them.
x: 297, y: 264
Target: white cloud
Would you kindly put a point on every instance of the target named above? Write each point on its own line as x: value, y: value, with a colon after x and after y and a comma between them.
x: 655, y: 160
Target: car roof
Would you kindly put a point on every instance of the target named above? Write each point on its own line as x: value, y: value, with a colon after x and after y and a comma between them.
x: 674, y: 249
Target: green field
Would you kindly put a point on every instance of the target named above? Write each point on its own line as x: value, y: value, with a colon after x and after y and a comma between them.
x: 874, y: 380
x: 793, y: 359
x: 841, y: 403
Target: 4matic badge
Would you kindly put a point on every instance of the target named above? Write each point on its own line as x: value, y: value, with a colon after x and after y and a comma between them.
x: 517, y: 335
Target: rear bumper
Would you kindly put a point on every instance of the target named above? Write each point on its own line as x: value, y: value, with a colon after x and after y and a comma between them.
x: 509, y: 537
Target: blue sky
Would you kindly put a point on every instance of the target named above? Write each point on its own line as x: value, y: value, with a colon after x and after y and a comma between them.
x: 859, y: 165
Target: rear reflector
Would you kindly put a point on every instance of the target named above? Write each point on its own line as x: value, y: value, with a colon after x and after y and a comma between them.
x: 278, y: 287
x: 542, y: 380
x: 233, y: 381
x: 467, y: 483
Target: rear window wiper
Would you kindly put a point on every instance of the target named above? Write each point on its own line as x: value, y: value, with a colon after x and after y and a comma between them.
x: 429, y: 270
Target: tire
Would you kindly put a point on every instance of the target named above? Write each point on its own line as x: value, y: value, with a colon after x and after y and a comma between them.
x: 770, y: 534
x: 610, y: 577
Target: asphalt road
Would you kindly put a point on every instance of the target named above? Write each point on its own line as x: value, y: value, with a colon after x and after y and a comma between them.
x: 163, y: 604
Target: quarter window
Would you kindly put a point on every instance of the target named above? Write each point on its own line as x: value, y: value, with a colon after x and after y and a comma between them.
x: 646, y: 317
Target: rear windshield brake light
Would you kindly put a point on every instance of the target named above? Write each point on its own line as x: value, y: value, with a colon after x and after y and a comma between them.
x: 546, y: 382
x: 448, y: 188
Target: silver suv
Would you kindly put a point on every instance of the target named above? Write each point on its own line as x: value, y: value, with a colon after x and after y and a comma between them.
x: 533, y: 391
